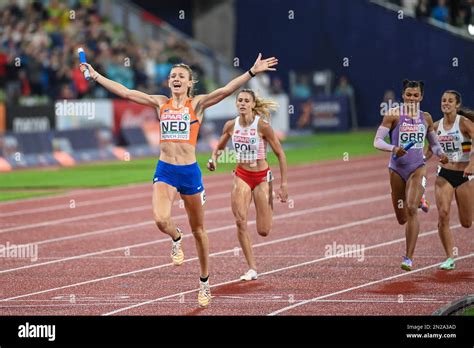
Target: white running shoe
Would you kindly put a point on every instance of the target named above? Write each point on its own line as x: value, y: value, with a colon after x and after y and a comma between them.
x: 204, y: 295
x: 177, y: 254
x: 250, y: 275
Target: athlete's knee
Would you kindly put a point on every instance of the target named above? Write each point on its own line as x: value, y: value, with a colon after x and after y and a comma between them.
x: 264, y: 231
x: 402, y: 220
x: 198, y: 232
x: 241, y: 222
x: 466, y: 223
x: 162, y: 221
x: 443, y: 215
x: 412, y: 209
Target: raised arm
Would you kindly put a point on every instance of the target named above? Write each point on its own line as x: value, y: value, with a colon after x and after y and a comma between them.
x: 124, y: 92
x: 226, y: 134
x: 206, y: 100
x: 270, y: 136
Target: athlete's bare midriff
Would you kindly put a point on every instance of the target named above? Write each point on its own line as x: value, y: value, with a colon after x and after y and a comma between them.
x: 260, y: 165
x: 177, y: 153
x: 460, y: 166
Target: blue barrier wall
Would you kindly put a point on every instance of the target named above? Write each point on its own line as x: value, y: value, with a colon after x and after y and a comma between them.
x: 170, y: 12
x: 382, y: 49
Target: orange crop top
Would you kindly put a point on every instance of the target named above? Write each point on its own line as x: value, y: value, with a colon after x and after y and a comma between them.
x: 179, y: 125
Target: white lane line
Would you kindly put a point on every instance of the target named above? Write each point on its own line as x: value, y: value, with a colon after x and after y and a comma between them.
x: 79, y: 204
x: 218, y: 196
x: 222, y: 299
x: 189, y: 235
x: 358, y: 161
x: 74, y: 191
x: 315, y: 299
x: 210, y: 211
x: 315, y: 232
x: 279, y: 270
x: 77, y: 218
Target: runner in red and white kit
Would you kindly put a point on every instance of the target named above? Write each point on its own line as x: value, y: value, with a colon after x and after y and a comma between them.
x: 250, y: 133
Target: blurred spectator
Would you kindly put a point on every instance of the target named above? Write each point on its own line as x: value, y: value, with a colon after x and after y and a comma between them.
x: 409, y: 6
x: 423, y: 9
x: 80, y: 83
x: 3, y: 68
x: 463, y: 18
x: 199, y: 86
x: 44, y: 39
x: 162, y: 70
x: 276, y: 86
x: 34, y: 71
x: 25, y: 85
x: 441, y: 12
x: 306, y: 117
x: 344, y: 88
x: 389, y: 101
x: 8, y: 145
x: 470, y: 10
x: 302, y: 88
x: 464, y: 15
x: 66, y: 92
x: 208, y: 137
x: 120, y: 73
x: 389, y: 97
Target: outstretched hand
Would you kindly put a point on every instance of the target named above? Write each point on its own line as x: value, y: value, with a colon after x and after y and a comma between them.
x: 211, y: 165
x: 469, y: 170
x: 282, y: 194
x: 266, y: 64
x: 443, y: 158
x: 399, y: 151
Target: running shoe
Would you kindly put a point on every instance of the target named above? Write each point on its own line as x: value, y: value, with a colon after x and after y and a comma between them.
x: 424, y: 204
x: 204, y: 296
x: 407, y: 264
x: 177, y: 254
x: 448, y: 265
x: 250, y: 275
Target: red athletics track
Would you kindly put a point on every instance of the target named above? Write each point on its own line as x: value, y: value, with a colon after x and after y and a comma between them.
x: 106, y: 257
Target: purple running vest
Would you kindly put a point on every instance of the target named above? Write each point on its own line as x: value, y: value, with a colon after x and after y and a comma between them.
x: 409, y: 129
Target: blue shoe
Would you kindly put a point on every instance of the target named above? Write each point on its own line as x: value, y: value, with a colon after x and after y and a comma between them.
x: 424, y: 204
x: 407, y: 264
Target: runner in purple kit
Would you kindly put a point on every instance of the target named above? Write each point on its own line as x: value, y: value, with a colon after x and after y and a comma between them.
x: 407, y: 171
